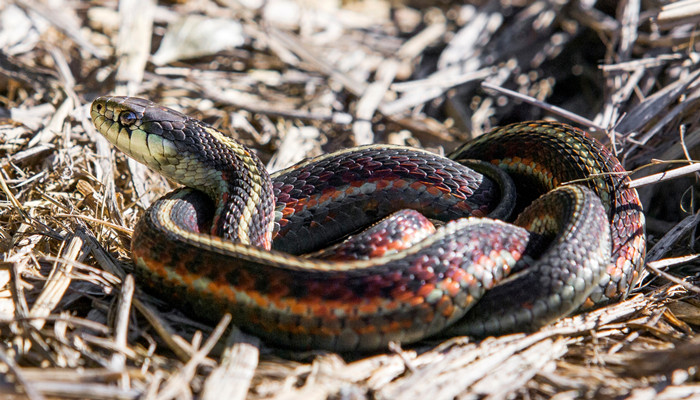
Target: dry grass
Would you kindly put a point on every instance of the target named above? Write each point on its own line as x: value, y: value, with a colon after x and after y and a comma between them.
x: 294, y: 80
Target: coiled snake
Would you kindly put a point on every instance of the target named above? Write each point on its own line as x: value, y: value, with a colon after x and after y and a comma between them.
x: 230, y: 241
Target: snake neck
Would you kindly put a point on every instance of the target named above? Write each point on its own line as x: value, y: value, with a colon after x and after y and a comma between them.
x: 236, y: 180
x: 244, y: 204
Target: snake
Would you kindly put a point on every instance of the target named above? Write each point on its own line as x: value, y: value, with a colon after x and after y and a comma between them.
x: 534, y: 221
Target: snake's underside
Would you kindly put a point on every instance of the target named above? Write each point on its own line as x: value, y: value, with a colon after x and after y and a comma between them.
x: 237, y: 240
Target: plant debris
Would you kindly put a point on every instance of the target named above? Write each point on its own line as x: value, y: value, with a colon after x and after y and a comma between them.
x: 294, y: 80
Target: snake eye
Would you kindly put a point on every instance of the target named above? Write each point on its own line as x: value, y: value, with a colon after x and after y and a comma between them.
x: 127, y: 118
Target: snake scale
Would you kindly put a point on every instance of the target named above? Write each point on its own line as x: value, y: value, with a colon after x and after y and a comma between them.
x: 234, y: 238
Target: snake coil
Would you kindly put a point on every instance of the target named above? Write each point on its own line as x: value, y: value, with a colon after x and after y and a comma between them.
x: 230, y: 240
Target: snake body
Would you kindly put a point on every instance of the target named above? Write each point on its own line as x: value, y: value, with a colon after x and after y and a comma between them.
x: 230, y: 241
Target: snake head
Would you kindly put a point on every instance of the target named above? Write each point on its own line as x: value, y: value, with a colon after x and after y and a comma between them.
x: 143, y: 130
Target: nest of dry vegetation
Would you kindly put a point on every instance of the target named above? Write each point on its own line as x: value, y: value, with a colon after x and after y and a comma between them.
x: 295, y: 80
